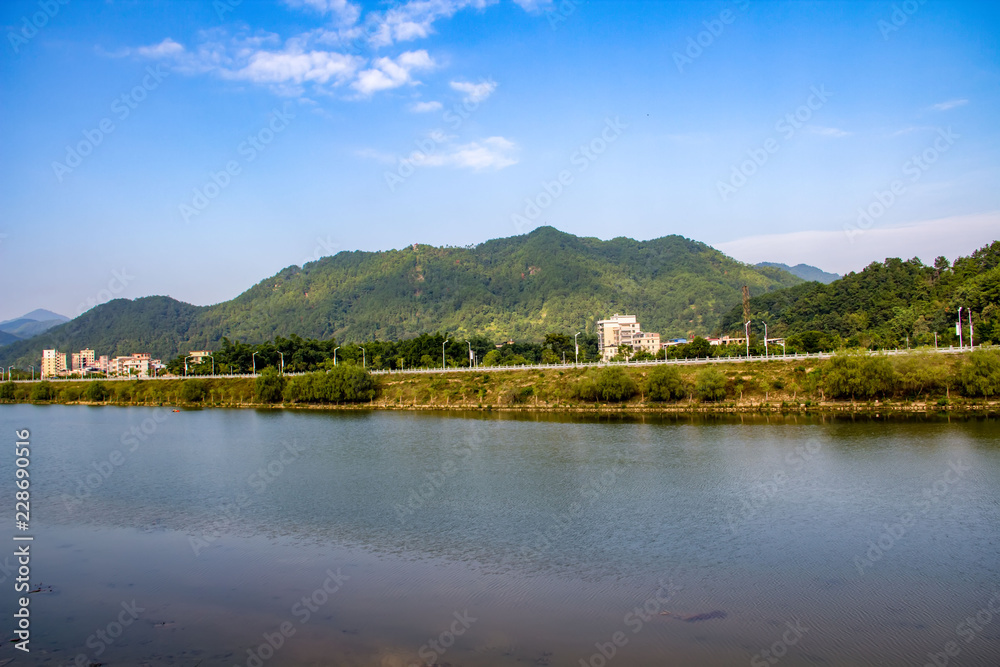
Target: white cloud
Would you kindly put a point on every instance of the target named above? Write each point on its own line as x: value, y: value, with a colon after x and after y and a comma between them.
x: 269, y: 67
x: 474, y: 92
x: 416, y: 19
x: 347, y: 13
x: 165, y: 49
x: 950, y: 104
x: 833, y: 250
x: 388, y: 73
x: 425, y: 107
x: 534, y: 5
x: 491, y: 153
x: 828, y: 131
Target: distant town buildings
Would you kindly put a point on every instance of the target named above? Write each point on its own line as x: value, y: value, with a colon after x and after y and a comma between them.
x: 621, y: 330
x: 86, y: 361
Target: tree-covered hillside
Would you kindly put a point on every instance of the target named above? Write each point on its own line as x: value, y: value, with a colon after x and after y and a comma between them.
x: 888, y: 302
x: 520, y: 287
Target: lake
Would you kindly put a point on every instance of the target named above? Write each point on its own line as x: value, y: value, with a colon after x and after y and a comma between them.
x: 239, y: 537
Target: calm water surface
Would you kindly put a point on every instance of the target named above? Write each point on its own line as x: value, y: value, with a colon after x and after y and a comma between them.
x: 483, y: 540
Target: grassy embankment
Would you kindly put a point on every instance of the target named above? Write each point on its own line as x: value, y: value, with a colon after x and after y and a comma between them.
x: 913, y: 382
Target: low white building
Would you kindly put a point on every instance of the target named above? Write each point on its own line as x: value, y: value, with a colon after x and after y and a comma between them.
x: 621, y: 330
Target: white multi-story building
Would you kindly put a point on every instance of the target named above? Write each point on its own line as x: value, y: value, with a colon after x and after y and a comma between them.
x: 53, y: 363
x: 621, y: 330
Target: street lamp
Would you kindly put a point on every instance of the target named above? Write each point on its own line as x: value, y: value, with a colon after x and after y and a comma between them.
x: 186, y: 364
x: 363, y: 362
x: 282, y: 362
x: 442, y: 352
x: 470, y: 354
x: 335, y: 355
x: 213, y: 362
x: 253, y: 359
x: 746, y: 327
x: 765, y: 340
x: 958, y: 327
x: 576, y: 346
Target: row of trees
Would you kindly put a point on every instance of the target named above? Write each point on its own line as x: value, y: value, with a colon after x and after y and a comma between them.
x: 424, y: 351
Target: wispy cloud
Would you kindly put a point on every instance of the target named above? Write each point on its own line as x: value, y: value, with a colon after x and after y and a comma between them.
x: 324, y: 57
x: 390, y: 73
x: 164, y: 49
x: 425, y: 107
x: 491, y: 153
x: 950, y: 104
x: 834, y: 132
x: 474, y: 92
x: 831, y: 250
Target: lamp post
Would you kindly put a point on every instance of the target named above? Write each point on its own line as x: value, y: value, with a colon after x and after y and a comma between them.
x: 470, y: 353
x: 282, y: 362
x: 363, y: 361
x: 186, y: 364
x: 213, y: 363
x: 576, y: 346
x: 335, y: 355
x: 253, y: 358
x: 958, y: 327
x: 746, y: 327
x: 442, y: 352
x: 765, y: 340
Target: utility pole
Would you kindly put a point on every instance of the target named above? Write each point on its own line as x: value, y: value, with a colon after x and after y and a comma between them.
x: 746, y: 327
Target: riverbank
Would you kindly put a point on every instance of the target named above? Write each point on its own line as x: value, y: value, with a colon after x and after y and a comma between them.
x: 912, y: 384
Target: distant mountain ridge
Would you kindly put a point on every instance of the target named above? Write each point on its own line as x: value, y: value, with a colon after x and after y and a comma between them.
x: 804, y: 271
x: 27, y: 326
x: 519, y: 287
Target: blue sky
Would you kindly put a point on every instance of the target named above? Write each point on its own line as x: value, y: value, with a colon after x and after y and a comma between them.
x: 195, y: 148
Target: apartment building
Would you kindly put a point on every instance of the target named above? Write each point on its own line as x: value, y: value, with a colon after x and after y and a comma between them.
x: 53, y: 363
x: 624, y: 330
x: 82, y: 360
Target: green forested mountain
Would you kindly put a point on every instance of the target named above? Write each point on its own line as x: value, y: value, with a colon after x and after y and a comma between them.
x: 519, y: 287
x: 888, y: 302
x: 804, y: 271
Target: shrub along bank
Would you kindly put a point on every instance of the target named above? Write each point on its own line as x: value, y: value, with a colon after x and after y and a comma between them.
x: 850, y: 378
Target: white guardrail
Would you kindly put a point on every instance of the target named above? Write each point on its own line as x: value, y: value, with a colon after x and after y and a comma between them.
x: 546, y: 367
